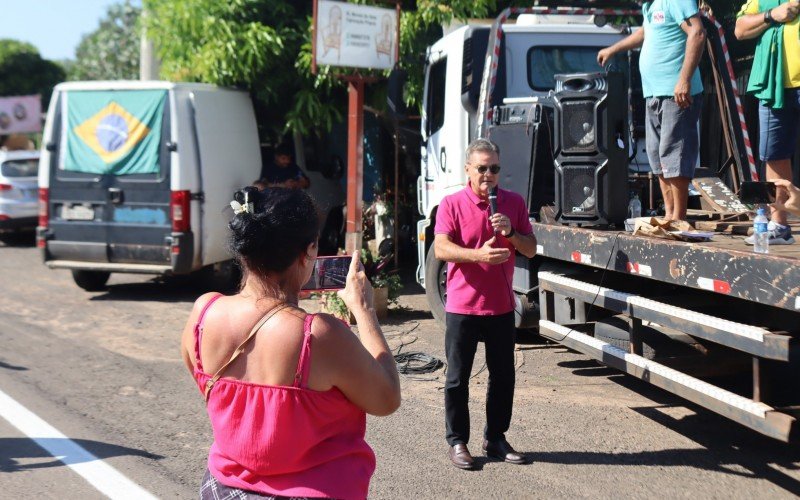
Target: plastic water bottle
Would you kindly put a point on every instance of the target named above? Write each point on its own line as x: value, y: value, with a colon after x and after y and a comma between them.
x: 760, y: 234
x: 635, y: 207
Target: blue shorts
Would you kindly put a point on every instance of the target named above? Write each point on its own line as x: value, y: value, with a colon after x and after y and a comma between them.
x: 672, y: 139
x: 778, y: 127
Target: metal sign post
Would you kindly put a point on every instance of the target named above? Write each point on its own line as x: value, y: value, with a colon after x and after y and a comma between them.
x: 355, y: 164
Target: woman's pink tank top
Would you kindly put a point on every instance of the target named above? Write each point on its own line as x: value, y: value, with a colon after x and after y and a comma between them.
x: 286, y: 440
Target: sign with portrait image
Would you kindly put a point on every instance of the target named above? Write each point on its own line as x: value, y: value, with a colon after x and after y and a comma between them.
x: 20, y: 114
x: 353, y: 35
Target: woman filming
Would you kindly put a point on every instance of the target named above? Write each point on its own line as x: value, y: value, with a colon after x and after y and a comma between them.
x: 286, y: 392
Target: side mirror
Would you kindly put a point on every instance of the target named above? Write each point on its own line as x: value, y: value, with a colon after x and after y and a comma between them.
x: 51, y: 146
x: 394, y: 94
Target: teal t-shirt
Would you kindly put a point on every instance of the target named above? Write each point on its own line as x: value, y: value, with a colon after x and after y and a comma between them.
x: 664, y: 47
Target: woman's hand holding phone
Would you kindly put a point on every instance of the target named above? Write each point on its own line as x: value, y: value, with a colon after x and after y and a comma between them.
x: 357, y: 293
x: 792, y: 200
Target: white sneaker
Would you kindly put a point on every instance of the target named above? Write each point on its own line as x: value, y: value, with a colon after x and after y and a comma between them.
x: 778, y: 235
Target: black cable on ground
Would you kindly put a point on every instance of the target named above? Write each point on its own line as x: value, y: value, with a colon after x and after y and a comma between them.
x: 417, y: 363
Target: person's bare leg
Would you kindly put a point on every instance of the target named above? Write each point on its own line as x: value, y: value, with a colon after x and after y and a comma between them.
x: 679, y: 191
x: 666, y: 193
x: 779, y: 169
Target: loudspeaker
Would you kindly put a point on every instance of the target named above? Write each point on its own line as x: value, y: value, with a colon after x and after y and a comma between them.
x: 591, y: 114
x: 514, y: 129
x: 591, y: 148
x: 591, y: 190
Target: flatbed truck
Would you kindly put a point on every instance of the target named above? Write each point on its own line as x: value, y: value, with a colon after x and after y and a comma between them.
x: 712, y: 322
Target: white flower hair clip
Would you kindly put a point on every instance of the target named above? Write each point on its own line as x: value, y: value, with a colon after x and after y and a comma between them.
x: 246, y: 207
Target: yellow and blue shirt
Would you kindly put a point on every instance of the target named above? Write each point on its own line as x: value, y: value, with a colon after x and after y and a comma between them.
x: 791, y: 45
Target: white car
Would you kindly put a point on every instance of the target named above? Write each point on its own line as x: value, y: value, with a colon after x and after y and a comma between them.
x: 19, y: 189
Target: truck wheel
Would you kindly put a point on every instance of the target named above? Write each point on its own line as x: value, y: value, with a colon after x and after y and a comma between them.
x: 436, y: 285
x: 660, y: 342
x: 91, y: 281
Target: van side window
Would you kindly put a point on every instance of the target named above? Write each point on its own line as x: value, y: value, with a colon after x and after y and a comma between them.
x: 435, y: 105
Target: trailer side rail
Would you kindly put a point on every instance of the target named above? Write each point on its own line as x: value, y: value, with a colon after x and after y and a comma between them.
x: 750, y: 339
x: 757, y: 416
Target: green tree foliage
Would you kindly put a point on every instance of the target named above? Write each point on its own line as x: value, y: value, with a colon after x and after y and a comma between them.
x: 265, y: 46
x: 24, y: 72
x: 111, y: 52
x: 421, y: 26
x: 253, y: 44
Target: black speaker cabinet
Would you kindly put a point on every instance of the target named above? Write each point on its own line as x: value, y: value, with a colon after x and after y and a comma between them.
x: 591, y: 190
x: 514, y: 129
x: 591, y: 148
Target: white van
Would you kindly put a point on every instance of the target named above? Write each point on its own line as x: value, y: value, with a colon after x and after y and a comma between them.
x: 135, y: 177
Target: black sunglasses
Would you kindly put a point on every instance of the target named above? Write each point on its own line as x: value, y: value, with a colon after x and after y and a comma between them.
x: 495, y: 169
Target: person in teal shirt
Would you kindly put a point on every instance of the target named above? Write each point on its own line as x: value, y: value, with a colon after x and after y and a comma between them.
x: 672, y: 39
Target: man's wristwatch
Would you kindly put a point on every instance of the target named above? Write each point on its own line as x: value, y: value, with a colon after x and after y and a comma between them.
x: 511, y: 233
x: 768, y: 18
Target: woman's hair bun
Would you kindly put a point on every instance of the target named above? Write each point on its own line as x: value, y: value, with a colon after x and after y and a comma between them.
x: 247, y: 193
x: 280, y: 225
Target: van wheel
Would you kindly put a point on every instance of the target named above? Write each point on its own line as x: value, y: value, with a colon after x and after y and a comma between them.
x: 91, y: 281
x: 436, y: 285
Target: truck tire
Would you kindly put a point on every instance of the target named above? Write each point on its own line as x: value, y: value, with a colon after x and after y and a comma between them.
x: 91, y: 281
x: 436, y: 285
x: 656, y: 342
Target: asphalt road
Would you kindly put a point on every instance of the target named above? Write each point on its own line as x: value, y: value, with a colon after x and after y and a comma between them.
x: 104, y: 369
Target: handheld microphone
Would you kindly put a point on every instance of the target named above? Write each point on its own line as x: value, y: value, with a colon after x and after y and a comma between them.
x: 493, y: 201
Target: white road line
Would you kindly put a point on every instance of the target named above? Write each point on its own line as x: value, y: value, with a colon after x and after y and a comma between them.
x: 106, y: 479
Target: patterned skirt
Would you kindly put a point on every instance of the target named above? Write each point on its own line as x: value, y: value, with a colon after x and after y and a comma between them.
x: 211, y: 489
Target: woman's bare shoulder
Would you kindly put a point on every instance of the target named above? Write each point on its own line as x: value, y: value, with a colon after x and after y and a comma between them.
x: 203, y: 300
x: 331, y: 331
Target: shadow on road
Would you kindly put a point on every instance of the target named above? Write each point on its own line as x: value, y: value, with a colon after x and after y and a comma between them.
x: 165, y: 289
x: 726, y: 446
x: 750, y: 460
x: 12, y: 367
x: 14, y: 449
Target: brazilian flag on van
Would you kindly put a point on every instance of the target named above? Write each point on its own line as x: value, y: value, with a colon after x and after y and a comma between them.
x: 113, y: 132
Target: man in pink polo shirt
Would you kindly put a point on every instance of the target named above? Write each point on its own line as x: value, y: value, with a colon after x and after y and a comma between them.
x: 479, y: 248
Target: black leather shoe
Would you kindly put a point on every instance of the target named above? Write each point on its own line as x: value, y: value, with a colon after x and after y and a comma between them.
x: 460, y: 456
x: 501, y: 450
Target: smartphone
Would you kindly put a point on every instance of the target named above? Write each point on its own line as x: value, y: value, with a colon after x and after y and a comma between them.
x: 757, y: 192
x: 330, y: 273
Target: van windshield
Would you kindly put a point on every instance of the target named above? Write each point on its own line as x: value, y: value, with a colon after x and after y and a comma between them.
x: 545, y: 62
x: 20, y: 168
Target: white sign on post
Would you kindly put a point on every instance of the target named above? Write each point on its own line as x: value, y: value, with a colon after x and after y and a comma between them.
x: 355, y: 35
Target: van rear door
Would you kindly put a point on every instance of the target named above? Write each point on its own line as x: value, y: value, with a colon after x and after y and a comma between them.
x: 109, y: 192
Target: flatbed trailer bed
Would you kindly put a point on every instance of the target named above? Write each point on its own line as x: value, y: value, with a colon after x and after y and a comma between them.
x: 725, y: 264
x: 734, y: 301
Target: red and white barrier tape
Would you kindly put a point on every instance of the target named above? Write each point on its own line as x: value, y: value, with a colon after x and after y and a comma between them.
x: 739, y: 108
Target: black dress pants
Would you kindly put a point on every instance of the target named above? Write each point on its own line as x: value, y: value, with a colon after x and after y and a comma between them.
x: 461, y: 341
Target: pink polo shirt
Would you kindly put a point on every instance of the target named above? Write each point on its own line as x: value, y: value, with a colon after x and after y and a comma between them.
x: 480, y: 289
